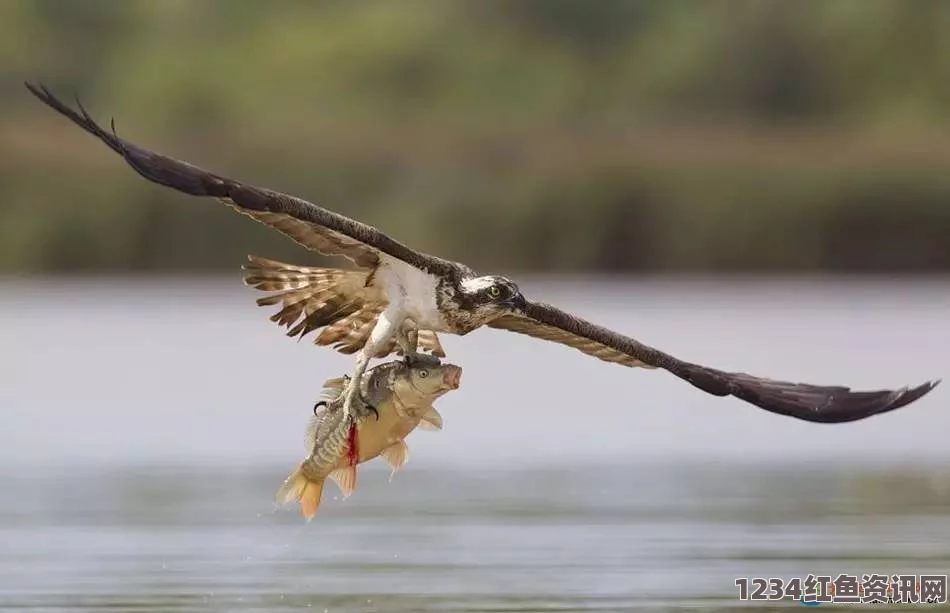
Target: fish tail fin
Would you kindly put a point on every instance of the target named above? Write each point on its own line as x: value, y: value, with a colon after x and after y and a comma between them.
x: 298, y: 488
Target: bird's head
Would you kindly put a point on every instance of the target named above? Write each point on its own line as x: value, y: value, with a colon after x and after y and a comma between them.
x: 492, y: 296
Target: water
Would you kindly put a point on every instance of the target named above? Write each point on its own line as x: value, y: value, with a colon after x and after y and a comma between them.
x: 598, y: 538
x: 146, y: 427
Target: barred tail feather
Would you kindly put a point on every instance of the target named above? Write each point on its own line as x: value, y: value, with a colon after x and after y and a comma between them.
x: 310, y: 298
x: 333, y: 299
x: 350, y: 333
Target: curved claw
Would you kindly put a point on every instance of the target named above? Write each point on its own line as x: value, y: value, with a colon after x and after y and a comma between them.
x: 368, y: 407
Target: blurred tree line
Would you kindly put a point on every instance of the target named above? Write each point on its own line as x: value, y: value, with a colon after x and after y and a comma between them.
x: 512, y: 134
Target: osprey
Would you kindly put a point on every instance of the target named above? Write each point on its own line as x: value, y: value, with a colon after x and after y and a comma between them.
x: 398, y: 299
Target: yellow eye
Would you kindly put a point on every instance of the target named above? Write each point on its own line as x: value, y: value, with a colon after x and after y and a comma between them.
x: 423, y: 374
x: 494, y: 291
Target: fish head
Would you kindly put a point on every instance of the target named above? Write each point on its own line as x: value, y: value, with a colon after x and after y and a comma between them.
x: 426, y: 378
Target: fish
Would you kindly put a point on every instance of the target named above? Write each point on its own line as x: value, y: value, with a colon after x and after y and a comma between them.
x: 397, y: 397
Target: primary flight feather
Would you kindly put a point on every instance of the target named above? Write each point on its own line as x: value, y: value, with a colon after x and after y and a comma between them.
x: 398, y: 299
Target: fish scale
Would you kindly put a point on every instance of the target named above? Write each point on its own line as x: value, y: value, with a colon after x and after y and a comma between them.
x: 401, y: 392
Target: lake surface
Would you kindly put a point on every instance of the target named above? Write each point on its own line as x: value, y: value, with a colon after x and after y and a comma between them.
x: 146, y: 425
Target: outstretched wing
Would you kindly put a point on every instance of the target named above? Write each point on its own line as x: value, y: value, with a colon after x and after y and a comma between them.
x: 825, y: 404
x: 312, y: 226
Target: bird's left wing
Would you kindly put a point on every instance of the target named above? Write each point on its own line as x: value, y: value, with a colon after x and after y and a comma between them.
x: 312, y: 226
x: 816, y: 403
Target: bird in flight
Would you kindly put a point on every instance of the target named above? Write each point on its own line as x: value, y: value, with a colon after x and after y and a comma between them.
x: 399, y: 299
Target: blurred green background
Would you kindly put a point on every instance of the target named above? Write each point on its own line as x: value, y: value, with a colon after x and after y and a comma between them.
x: 537, y: 135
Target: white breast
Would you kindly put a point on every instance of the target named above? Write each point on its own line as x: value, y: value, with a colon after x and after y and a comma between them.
x: 412, y: 291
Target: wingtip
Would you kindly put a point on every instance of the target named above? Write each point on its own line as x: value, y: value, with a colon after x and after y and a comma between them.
x: 929, y: 386
x: 37, y: 89
x: 908, y: 395
x: 923, y: 387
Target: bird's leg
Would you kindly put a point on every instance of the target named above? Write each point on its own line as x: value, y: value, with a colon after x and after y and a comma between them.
x: 408, y: 340
x: 382, y: 332
x: 351, y: 393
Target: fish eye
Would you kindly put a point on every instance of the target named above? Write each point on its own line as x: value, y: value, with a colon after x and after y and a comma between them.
x: 423, y: 373
x: 494, y: 291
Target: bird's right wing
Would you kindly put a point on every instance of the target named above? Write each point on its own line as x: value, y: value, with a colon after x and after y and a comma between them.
x: 310, y: 225
x: 816, y: 403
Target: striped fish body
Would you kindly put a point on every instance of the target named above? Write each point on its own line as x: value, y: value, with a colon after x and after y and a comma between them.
x: 401, y: 410
x: 333, y: 439
x: 402, y: 396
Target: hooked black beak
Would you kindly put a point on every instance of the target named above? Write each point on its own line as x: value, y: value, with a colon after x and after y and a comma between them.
x: 517, y: 303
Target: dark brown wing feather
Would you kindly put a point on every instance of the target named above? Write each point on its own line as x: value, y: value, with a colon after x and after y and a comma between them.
x: 816, y: 403
x: 310, y: 225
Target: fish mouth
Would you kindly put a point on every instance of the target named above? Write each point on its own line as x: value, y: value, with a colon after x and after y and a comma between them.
x: 452, y: 376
